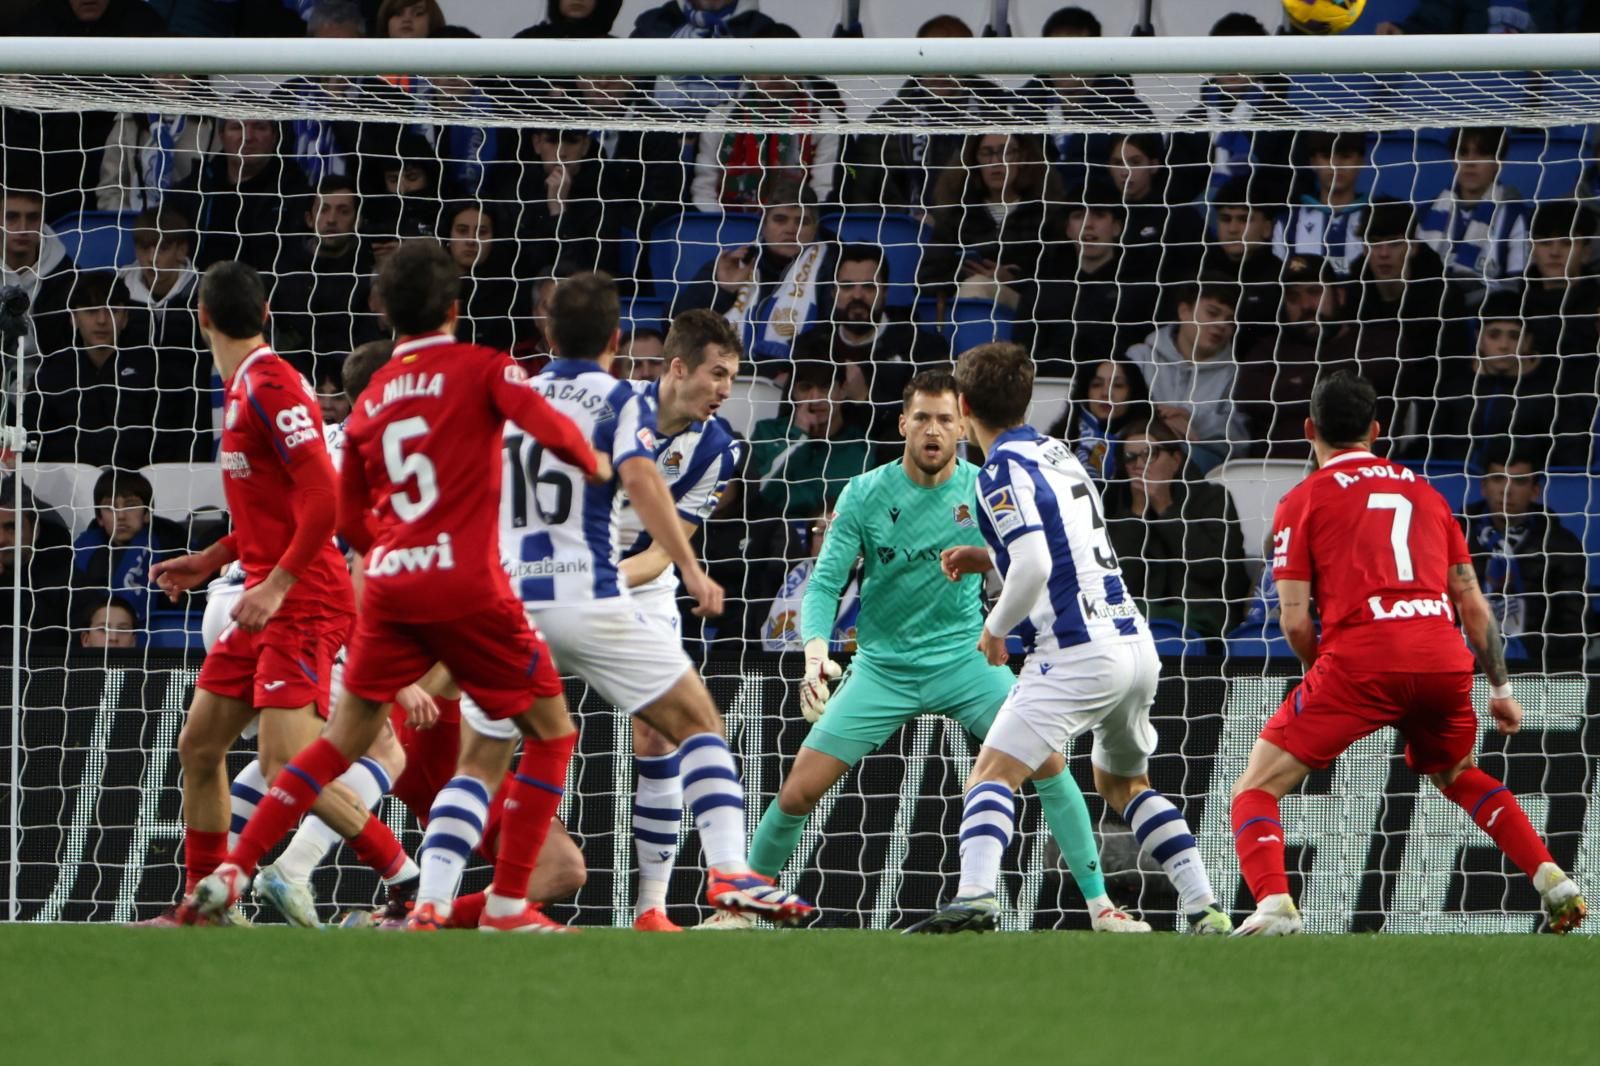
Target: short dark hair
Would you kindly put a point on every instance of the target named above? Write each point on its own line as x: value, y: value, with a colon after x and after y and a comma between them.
x: 235, y: 299
x: 1487, y: 140
x: 1331, y: 144
x: 96, y: 288
x: 1207, y: 288
x: 1151, y: 145
x: 113, y: 483
x: 154, y: 225
x: 1238, y: 24
x: 22, y: 194
x: 1389, y: 220
x: 946, y: 24
x: 996, y: 380
x: 332, y: 184
x: 931, y: 382
x: 583, y: 315
x: 812, y: 374
x: 83, y: 616
x: 1342, y: 406
x: 693, y: 332
x: 1501, y: 307
x: 862, y: 252
x: 1505, y: 452
x: 417, y: 286
x: 1071, y: 18
x: 1247, y: 191
x: 362, y: 363
x: 1561, y: 219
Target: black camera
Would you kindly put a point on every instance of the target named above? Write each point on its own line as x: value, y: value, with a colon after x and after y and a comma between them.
x: 13, y: 311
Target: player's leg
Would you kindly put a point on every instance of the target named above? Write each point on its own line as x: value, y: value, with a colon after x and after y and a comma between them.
x: 657, y: 813
x: 1258, y: 835
x: 559, y: 873
x: 784, y: 821
x: 213, y: 724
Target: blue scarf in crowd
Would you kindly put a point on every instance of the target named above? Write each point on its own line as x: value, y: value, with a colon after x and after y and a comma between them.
x: 157, y: 161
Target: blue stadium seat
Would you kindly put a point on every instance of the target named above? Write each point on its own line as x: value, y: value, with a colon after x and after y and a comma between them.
x: 1575, y: 499
x: 176, y: 630
x: 1543, y: 165
x: 1259, y: 642
x: 97, y: 240
x: 680, y: 247
x: 1409, y: 167
x: 975, y: 322
x: 901, y: 238
x: 1174, y: 640
x: 644, y: 312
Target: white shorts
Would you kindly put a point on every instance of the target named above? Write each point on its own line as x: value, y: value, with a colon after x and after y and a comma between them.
x: 1107, y: 688
x: 658, y: 599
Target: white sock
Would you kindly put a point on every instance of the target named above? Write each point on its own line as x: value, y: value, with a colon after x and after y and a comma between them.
x: 244, y: 795
x: 315, y: 838
x: 1165, y: 837
x: 657, y: 813
x: 406, y: 873
x: 716, y: 798
x: 455, y: 825
x: 502, y: 906
x: 987, y: 818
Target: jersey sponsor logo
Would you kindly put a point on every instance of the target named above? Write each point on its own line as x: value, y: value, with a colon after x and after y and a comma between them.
x: 963, y: 516
x: 1418, y: 607
x: 296, y: 426
x: 1093, y: 608
x: 894, y: 514
x: 546, y: 568
x: 515, y: 375
x: 886, y: 555
x: 273, y: 686
x: 1345, y: 479
x: 1004, y: 509
x: 423, y: 557
x: 234, y: 464
x: 1280, y: 547
x: 408, y: 386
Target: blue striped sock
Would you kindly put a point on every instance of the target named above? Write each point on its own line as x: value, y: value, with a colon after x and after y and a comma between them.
x: 716, y: 798
x: 243, y: 796
x: 455, y: 825
x: 987, y: 818
x: 1165, y: 837
x: 657, y: 813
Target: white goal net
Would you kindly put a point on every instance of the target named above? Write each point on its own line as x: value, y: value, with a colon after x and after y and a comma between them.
x: 1182, y: 249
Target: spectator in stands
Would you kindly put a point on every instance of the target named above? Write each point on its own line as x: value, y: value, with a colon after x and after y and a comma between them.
x: 532, y: 350
x: 408, y: 19
x: 107, y: 623
x: 801, y: 461
x: 780, y: 631
x: 1317, y: 336
x: 1478, y: 226
x: 385, y: 222
x: 37, y: 262
x: 1489, y: 16
x: 1190, y: 368
x: 326, y: 146
x: 115, y: 553
x: 1510, y: 388
x: 88, y: 18
x: 1162, y: 236
x: 1108, y: 399
x: 731, y: 168
x: 575, y: 18
x: 644, y: 176
x: 873, y: 356
x: 564, y: 218
x: 990, y: 217
x: 1560, y: 294
x: 640, y: 355
x: 148, y: 154
x: 897, y: 171
x: 162, y: 282
x: 238, y: 199
x: 1065, y: 99
x: 694, y: 96
x: 1530, y: 565
x: 1202, y: 163
x: 328, y: 377
x: 1178, y: 540
x: 1092, y: 298
x: 1244, y: 210
x: 95, y: 402
x: 318, y: 285
x: 1400, y: 280
x: 739, y: 282
x: 1328, y: 210
x: 45, y: 574
x: 489, y: 296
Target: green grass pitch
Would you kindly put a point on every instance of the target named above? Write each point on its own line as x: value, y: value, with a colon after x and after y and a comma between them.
x: 117, y: 996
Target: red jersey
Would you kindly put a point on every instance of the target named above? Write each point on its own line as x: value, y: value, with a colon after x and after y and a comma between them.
x: 423, y: 454
x: 271, y: 429
x: 1376, y: 541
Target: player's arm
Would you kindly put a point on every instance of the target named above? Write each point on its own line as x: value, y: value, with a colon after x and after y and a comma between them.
x: 648, y: 492
x: 517, y: 401
x: 1483, y: 636
x: 177, y: 576
x: 313, y: 500
x: 651, y: 563
x: 1014, y: 518
x: 355, y: 521
x: 1295, y: 618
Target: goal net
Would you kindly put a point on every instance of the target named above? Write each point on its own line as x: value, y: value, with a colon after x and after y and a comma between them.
x: 1183, y: 234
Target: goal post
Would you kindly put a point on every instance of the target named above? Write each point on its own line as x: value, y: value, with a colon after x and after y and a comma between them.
x: 1181, y: 230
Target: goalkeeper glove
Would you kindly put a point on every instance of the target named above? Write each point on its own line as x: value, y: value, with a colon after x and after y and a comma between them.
x: 814, y: 686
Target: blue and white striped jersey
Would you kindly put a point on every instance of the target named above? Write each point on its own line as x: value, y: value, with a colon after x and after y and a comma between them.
x: 696, y: 464
x: 558, y: 533
x: 1032, y: 483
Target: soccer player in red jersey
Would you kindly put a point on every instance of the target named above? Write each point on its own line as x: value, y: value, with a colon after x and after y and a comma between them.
x: 420, y: 499
x: 297, y: 605
x: 1377, y: 549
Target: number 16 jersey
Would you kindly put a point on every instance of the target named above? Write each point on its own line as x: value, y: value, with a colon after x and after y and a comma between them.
x: 558, y: 534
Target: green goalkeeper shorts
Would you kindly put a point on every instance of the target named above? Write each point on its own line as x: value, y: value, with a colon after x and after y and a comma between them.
x: 871, y: 701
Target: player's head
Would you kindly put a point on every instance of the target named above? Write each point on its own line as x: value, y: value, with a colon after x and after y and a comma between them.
x: 583, y: 316
x: 362, y: 364
x: 1513, y: 475
x: 995, y: 382
x: 418, y: 288
x: 1342, y: 406
x: 122, y: 504
x: 931, y: 420
x: 701, y: 356
x: 233, y: 302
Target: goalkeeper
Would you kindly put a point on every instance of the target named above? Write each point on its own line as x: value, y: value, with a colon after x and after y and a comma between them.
x: 916, y: 640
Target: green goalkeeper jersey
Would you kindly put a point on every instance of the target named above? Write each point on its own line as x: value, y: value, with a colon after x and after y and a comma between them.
x: 910, y: 612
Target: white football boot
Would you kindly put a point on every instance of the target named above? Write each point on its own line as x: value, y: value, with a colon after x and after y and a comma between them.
x: 1274, y: 916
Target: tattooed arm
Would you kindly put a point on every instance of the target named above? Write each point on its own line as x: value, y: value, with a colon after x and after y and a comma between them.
x: 1483, y: 635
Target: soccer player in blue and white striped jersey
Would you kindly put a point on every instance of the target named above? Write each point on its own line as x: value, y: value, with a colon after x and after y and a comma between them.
x: 1091, y: 662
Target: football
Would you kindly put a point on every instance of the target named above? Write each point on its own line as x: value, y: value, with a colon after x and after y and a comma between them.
x: 1322, y: 16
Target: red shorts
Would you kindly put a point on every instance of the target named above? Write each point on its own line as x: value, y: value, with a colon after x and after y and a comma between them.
x: 288, y: 664
x: 1333, y: 707
x: 493, y: 654
x: 431, y: 756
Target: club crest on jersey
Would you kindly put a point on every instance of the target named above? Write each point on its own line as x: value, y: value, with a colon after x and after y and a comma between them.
x: 1003, y: 508
x: 963, y: 516
x: 231, y: 419
x: 672, y: 463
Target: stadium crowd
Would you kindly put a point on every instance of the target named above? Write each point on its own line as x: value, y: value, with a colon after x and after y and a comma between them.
x: 1186, y: 289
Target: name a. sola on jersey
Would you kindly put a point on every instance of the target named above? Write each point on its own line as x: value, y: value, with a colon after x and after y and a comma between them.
x: 1346, y: 479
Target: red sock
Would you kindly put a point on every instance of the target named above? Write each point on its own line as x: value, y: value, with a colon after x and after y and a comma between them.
x: 466, y: 911
x: 1258, y: 838
x: 202, y: 852
x: 376, y: 846
x: 1498, y: 813
x: 531, y: 801
x: 293, y: 792
x: 489, y: 846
